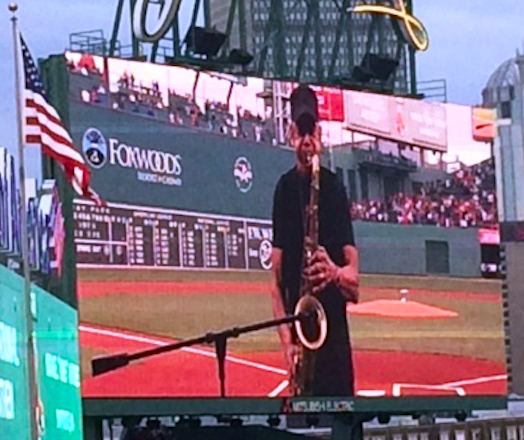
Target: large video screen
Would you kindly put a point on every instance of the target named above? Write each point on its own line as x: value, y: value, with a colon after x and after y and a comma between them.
x: 188, y: 162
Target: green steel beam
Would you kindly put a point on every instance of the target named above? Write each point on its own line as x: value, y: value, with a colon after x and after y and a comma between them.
x: 194, y: 17
x: 349, y: 37
x: 154, y: 50
x: 196, y: 8
x: 412, y: 72
x: 263, y: 52
x: 274, y: 36
x: 371, y: 33
x: 176, y: 37
x: 116, y: 27
x: 268, y: 36
x: 381, y: 34
x: 135, y: 44
x: 154, y: 47
x: 398, y: 56
x: 411, y: 55
x: 341, y: 25
x: 280, y: 39
x: 207, y: 14
x: 242, y: 24
x: 229, y: 25
x: 305, y: 41
x: 319, y: 62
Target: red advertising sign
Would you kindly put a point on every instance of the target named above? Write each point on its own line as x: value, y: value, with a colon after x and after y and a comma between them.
x: 330, y: 104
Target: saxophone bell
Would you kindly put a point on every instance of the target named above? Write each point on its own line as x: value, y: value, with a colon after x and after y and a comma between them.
x: 311, y: 328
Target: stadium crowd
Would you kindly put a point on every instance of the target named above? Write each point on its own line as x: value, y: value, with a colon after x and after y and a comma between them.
x: 217, y: 118
x: 466, y: 199
x: 135, y: 97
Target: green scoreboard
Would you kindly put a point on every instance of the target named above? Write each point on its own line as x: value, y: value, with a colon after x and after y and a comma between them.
x: 55, y: 325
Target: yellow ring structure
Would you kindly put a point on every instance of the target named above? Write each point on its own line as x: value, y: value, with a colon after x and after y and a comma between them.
x: 411, y: 23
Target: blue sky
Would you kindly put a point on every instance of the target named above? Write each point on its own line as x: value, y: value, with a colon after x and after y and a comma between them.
x: 468, y: 40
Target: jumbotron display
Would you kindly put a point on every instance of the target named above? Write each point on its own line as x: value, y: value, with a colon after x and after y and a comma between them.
x: 188, y: 162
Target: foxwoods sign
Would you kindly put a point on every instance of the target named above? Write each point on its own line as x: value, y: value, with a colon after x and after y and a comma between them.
x: 152, y: 166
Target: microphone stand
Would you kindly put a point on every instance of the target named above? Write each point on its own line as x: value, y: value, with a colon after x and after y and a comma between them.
x: 104, y: 364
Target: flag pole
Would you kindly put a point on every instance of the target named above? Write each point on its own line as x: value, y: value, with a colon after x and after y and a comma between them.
x: 32, y: 385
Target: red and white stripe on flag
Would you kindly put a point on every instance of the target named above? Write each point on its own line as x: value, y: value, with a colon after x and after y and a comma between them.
x: 44, y: 129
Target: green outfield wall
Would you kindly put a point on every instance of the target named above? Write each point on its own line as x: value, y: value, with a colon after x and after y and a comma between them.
x: 417, y: 250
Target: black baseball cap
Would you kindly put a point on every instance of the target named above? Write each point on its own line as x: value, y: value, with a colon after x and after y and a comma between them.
x: 304, y: 109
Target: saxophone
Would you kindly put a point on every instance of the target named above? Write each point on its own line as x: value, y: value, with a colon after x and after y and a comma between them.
x: 312, y: 329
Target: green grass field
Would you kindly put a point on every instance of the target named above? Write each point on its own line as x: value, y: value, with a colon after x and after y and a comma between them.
x: 477, y: 332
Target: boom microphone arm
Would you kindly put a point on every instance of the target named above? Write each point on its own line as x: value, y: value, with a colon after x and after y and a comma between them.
x: 104, y: 364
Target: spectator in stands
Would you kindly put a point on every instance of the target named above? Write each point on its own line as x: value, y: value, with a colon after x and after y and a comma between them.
x: 194, y: 113
x: 465, y: 199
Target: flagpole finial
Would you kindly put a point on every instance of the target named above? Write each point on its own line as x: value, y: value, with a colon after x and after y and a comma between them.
x: 13, y: 7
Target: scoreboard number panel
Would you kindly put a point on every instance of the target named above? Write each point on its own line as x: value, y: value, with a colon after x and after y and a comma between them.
x: 139, y: 237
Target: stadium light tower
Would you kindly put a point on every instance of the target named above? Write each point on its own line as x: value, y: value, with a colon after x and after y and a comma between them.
x: 320, y: 42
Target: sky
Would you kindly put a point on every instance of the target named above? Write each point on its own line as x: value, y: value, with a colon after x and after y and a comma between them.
x: 469, y: 39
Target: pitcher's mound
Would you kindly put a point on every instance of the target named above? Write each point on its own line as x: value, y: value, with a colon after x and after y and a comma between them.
x: 399, y: 309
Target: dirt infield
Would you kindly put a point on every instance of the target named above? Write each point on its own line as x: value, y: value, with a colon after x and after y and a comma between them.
x: 97, y: 289
x: 192, y: 372
x: 400, y: 309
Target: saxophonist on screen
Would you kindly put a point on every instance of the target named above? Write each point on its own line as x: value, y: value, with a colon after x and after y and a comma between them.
x: 321, y: 259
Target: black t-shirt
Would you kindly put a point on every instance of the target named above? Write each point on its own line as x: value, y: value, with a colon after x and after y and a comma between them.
x: 335, y: 231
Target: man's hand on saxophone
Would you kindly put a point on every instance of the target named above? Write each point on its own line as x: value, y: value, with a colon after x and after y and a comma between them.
x: 292, y: 353
x: 322, y: 271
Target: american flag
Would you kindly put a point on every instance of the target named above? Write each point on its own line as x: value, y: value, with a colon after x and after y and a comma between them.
x: 44, y: 129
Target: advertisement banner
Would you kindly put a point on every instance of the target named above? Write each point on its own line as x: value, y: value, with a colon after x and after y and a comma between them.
x: 330, y: 104
x: 367, y: 112
x: 413, y: 122
x: 165, y: 165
